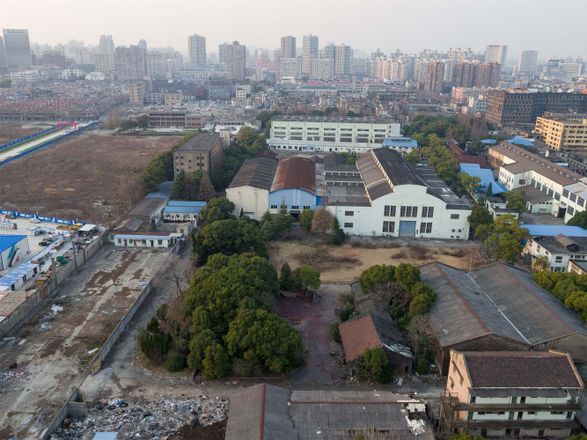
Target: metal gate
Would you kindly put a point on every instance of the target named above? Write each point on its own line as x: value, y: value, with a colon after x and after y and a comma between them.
x: 407, y: 229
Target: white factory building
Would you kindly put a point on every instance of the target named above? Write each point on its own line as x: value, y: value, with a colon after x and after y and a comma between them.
x: 331, y: 133
x: 383, y: 195
x: 520, y: 169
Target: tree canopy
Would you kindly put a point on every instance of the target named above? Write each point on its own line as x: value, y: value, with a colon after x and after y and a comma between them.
x: 504, y: 239
x: 219, y: 208
x: 515, y: 201
x: 579, y: 219
x: 373, y: 366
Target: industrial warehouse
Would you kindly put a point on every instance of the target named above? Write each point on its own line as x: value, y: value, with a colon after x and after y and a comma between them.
x: 383, y: 195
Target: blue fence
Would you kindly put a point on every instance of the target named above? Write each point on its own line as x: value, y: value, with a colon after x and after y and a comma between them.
x: 42, y: 218
x: 45, y: 145
x: 26, y: 138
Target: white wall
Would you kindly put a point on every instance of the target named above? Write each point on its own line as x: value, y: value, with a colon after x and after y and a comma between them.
x: 368, y: 220
x: 253, y: 201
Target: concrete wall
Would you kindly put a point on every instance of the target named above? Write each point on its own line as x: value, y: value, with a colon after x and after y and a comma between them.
x: 253, y: 201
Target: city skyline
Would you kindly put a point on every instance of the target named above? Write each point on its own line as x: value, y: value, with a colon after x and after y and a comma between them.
x: 457, y: 24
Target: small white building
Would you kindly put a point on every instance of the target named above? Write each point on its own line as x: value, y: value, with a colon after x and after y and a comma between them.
x: 183, y: 211
x: 146, y: 239
x: 559, y: 250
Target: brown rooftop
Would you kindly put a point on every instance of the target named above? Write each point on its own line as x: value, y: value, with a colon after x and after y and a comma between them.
x: 295, y: 173
x: 521, y: 369
x: 358, y: 335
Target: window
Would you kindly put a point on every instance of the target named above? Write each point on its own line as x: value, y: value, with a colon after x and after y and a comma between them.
x: 349, y: 213
x: 425, y: 228
x: 565, y: 193
x: 454, y: 216
x: 573, y: 197
x: 307, y: 207
x: 348, y: 225
x: 389, y: 211
x: 295, y: 207
x: 388, y: 226
x: 558, y: 259
x: 428, y: 211
x: 571, y: 210
x: 409, y: 211
x: 274, y: 206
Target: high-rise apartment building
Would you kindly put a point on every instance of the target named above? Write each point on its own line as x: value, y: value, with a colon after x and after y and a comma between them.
x: 106, y: 45
x: 288, y: 47
x: 136, y: 93
x: 322, y: 69
x: 309, y: 52
x: 290, y: 68
x: 234, y: 56
x: 487, y: 75
x: 463, y: 74
x: 17, y: 48
x: 343, y: 59
x: 495, y: 53
x: 563, y: 133
x: 528, y: 62
x: 475, y: 74
x: 197, y: 50
x: 3, y: 65
x: 434, y: 77
x: 329, y: 51
x: 130, y: 63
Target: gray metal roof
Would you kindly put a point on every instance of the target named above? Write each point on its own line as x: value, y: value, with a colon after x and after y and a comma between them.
x: 461, y: 311
x: 257, y: 172
x: 339, y: 119
x: 201, y: 142
x: 496, y: 299
x: 271, y: 413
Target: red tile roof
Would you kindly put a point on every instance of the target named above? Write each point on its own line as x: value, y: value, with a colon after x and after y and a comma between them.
x: 358, y: 335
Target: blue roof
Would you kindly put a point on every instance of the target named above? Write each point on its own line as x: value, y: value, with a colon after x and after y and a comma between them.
x: 405, y: 142
x: 105, y: 435
x: 488, y: 141
x: 16, y: 274
x: 183, y: 209
x: 521, y: 140
x: 186, y: 203
x: 552, y: 230
x: 7, y: 241
x: 485, y: 176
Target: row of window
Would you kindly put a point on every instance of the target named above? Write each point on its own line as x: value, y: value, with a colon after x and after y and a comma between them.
x: 389, y: 227
x: 412, y: 211
x: 293, y: 207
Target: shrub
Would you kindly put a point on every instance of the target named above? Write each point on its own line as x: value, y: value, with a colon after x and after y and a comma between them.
x: 175, y: 362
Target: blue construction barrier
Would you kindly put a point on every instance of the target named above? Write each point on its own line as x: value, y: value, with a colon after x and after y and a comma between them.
x: 45, y: 145
x: 27, y: 138
x: 42, y: 218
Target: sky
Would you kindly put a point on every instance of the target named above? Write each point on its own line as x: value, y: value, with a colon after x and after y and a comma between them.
x: 553, y: 27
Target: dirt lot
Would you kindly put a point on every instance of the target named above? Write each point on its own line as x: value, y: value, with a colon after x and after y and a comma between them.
x: 345, y: 263
x: 51, y: 351
x: 9, y: 132
x: 92, y: 177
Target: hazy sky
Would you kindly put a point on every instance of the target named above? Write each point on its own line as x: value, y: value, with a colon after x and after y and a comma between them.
x: 554, y: 27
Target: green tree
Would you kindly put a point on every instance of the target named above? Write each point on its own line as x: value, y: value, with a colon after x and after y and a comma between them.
x: 153, y: 342
x: 516, y: 201
x: 179, y: 186
x: 260, y: 336
x: 216, y: 363
x: 470, y: 183
x: 504, y: 241
x: 376, y: 275
x: 285, y: 278
x: 480, y: 215
x: 337, y: 236
x: 305, y: 219
x: 228, y: 237
x: 373, y: 366
x: 306, y: 277
x: 159, y: 170
x: 579, y: 219
x: 219, y: 208
x: 407, y: 275
x: 198, y: 346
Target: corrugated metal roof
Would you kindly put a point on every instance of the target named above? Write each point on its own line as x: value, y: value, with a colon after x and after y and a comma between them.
x: 552, y: 230
x: 257, y: 172
x: 202, y: 142
x: 295, y: 173
x: 7, y: 241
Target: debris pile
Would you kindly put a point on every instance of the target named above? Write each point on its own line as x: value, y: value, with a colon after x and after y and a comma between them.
x: 14, y: 374
x: 158, y: 419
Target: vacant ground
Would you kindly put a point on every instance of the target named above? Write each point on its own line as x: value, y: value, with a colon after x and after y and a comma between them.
x: 92, y: 177
x: 9, y: 132
x: 312, y: 319
x: 51, y: 351
x: 345, y: 263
